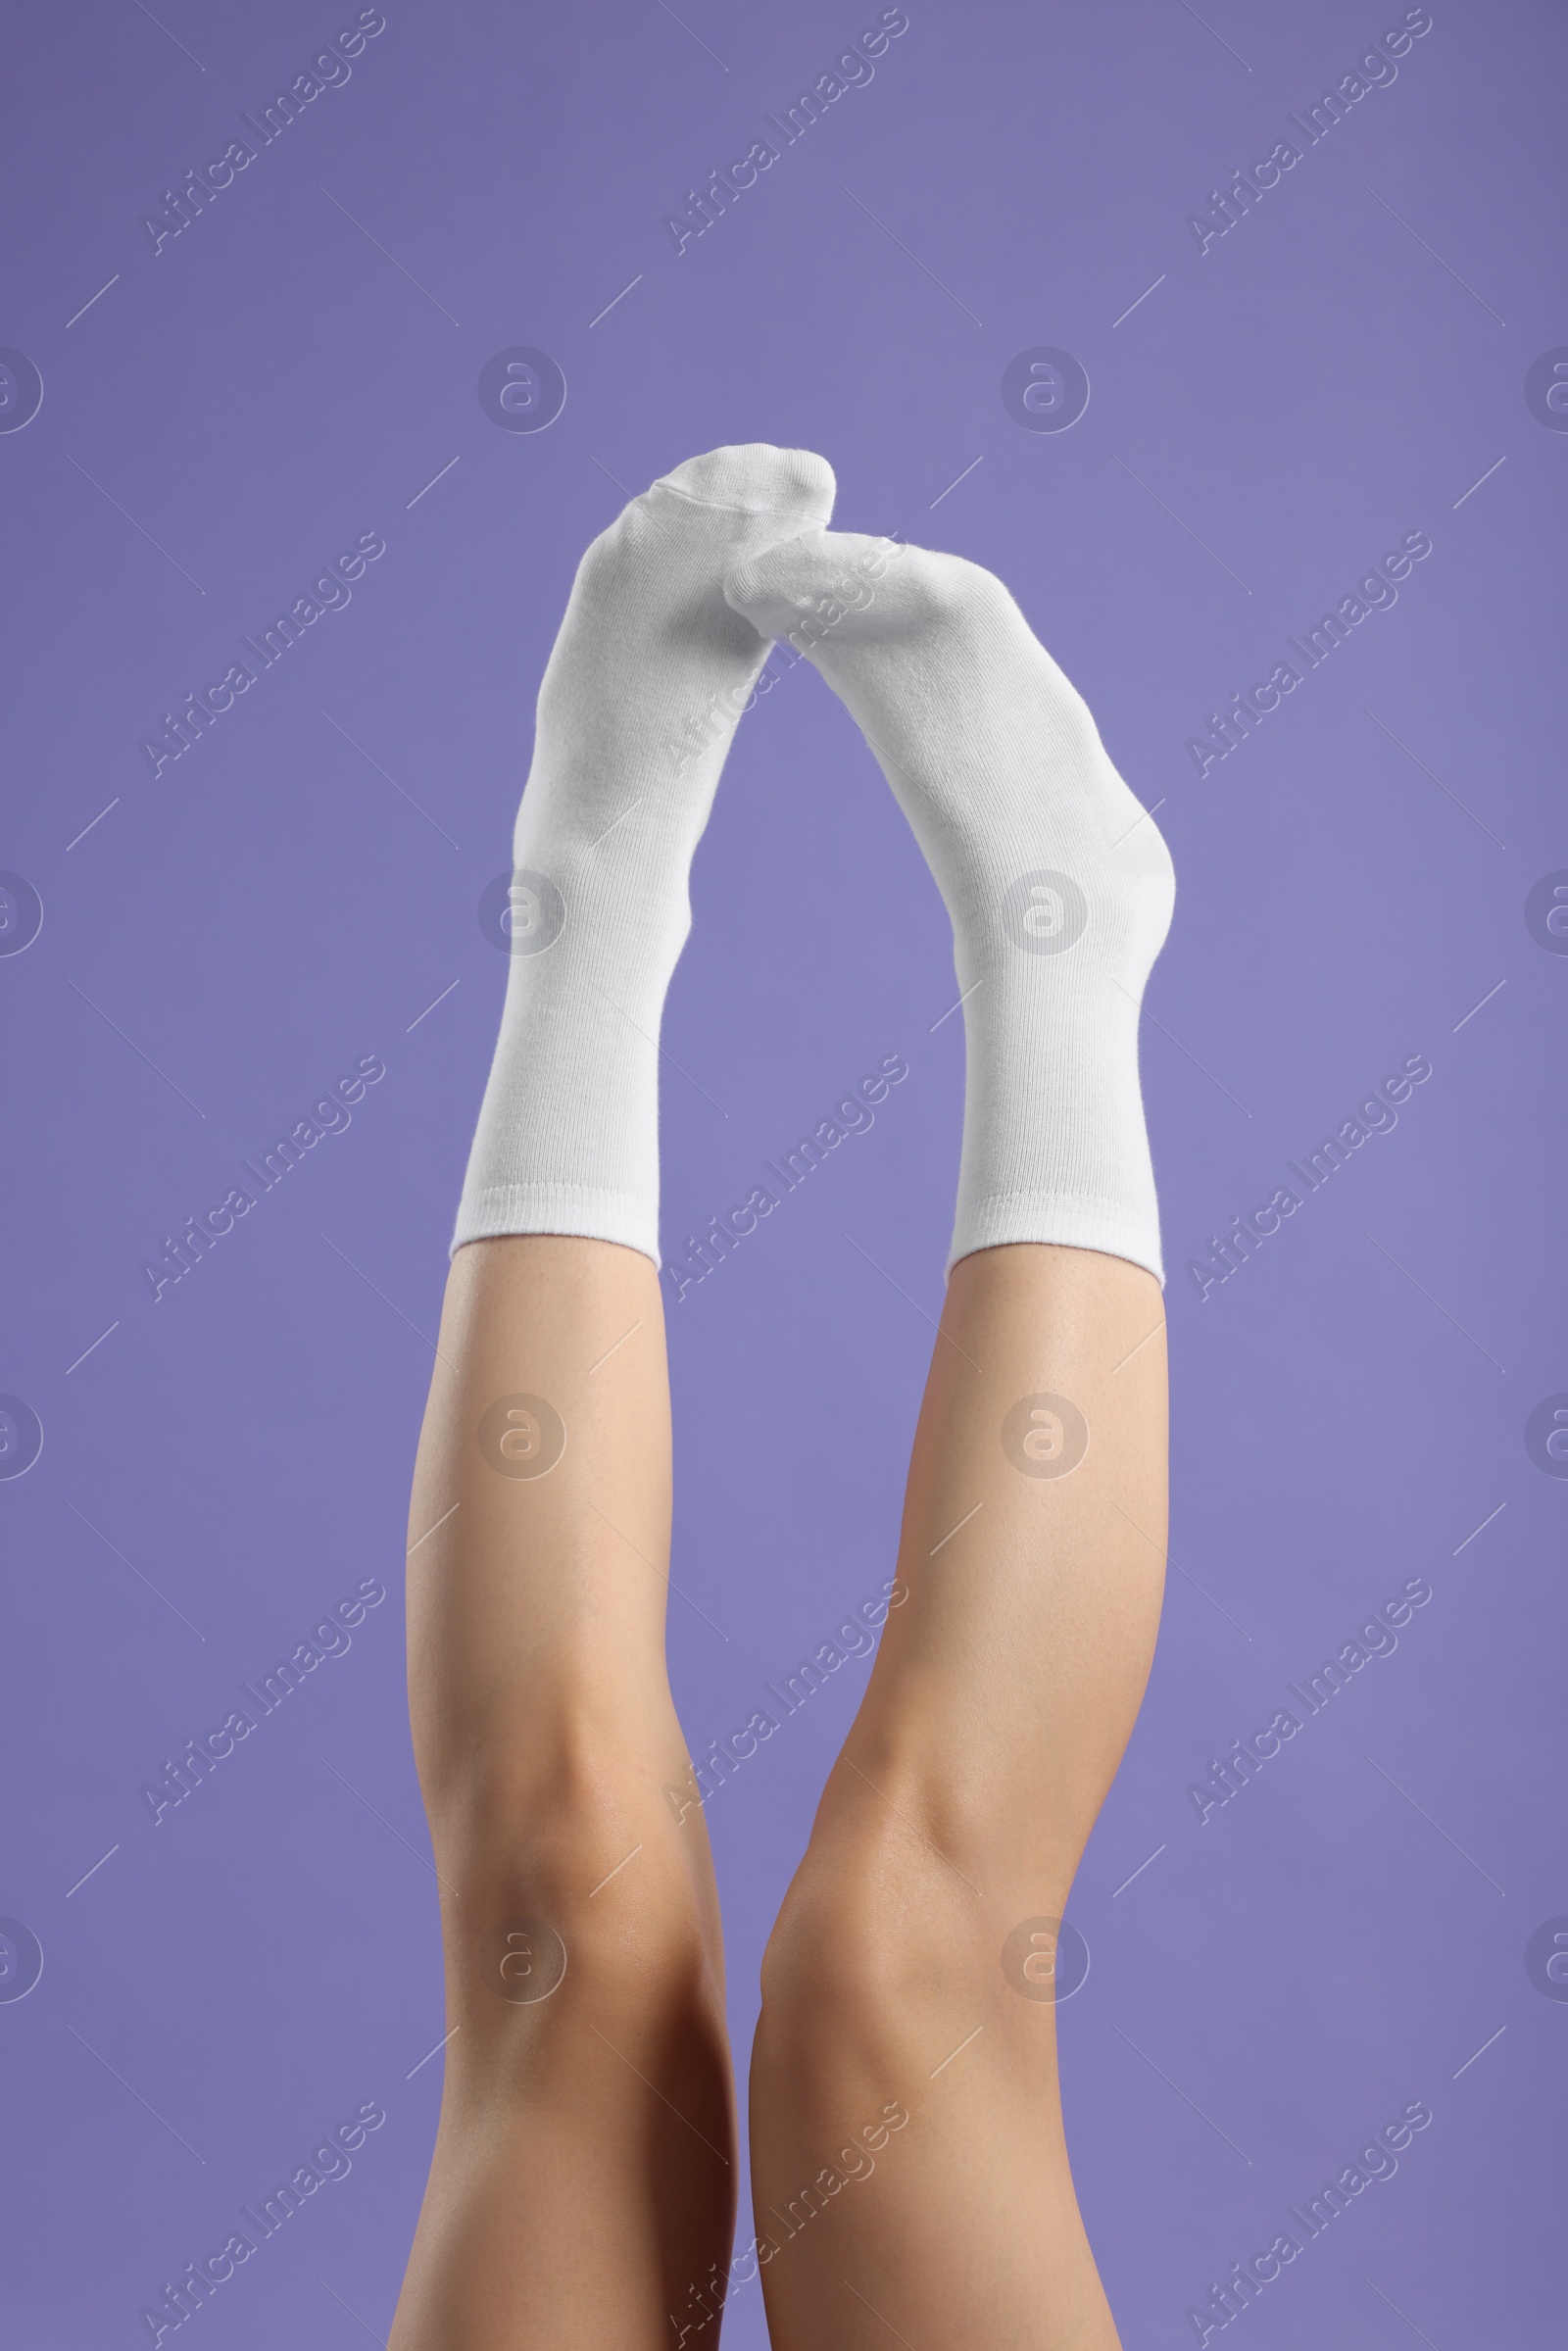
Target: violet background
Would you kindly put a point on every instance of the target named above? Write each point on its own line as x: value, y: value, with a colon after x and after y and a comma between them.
x: 1275, y: 1984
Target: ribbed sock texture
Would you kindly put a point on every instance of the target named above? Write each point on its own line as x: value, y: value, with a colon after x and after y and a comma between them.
x: 1059, y: 886
x: 639, y: 700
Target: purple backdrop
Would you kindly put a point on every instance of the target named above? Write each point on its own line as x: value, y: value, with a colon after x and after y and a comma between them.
x: 1350, y: 353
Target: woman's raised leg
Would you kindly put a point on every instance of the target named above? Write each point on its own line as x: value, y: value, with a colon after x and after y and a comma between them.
x: 584, y: 2170
x: 912, y: 2177
x: 582, y: 2189
x: 908, y: 2153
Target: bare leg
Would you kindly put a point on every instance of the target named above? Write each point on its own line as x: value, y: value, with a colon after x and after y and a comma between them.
x: 583, y: 2172
x: 911, y: 2169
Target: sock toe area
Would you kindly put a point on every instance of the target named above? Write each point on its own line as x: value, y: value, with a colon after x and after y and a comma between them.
x: 752, y: 477
x: 880, y: 585
x: 775, y: 587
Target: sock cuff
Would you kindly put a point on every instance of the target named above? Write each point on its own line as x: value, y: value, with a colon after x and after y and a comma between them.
x: 1063, y: 1220
x: 580, y: 1211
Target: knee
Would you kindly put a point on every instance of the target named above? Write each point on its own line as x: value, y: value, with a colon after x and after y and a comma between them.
x: 906, y: 1929
x: 567, y: 1890
x: 877, y: 1945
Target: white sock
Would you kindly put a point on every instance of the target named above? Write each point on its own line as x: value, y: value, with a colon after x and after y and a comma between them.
x: 641, y: 696
x: 1059, y: 886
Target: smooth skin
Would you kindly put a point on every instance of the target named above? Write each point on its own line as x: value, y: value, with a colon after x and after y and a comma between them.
x: 912, y: 2177
x: 909, y: 2164
x: 584, y: 2170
